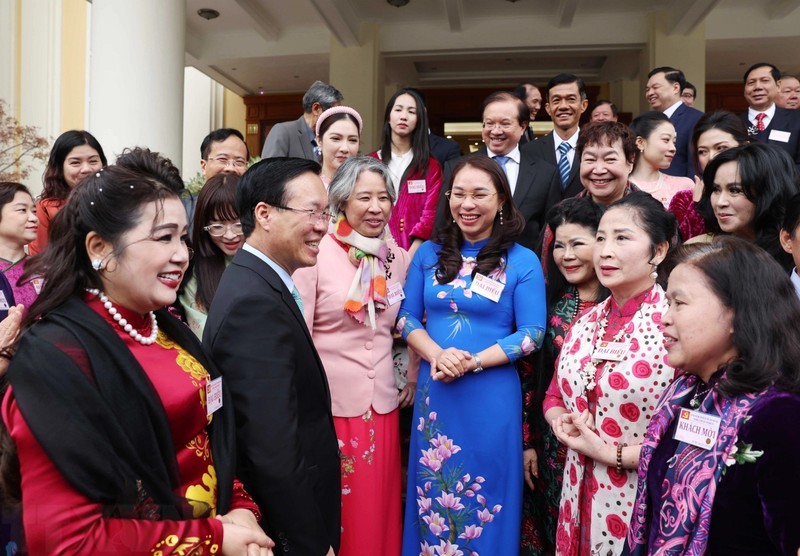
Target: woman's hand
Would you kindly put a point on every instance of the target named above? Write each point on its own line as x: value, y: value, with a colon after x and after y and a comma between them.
x: 697, y: 192
x: 244, y: 534
x: 9, y: 330
x: 586, y: 441
x: 530, y: 466
x: 406, y: 396
x: 451, y: 363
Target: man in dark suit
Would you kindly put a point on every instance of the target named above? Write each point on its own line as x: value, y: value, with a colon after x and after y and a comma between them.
x: 766, y: 122
x: 530, y: 95
x: 297, y: 138
x: 534, y: 184
x: 287, y: 452
x: 565, y: 102
x: 663, y: 92
x: 443, y: 150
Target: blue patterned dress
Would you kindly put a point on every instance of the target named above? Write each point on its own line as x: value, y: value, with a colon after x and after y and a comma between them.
x: 465, y: 464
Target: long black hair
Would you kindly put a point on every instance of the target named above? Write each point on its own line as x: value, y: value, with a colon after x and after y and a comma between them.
x: 503, y: 235
x: 420, y: 145
x: 55, y: 186
x: 766, y: 335
x: 216, y: 201
x: 768, y: 177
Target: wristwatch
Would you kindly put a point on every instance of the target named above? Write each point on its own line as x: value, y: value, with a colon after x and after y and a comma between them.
x: 477, y: 359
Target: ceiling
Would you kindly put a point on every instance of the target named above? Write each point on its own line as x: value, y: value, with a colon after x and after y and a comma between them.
x: 278, y: 46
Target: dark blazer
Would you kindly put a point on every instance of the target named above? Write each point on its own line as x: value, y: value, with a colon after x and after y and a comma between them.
x: 287, y: 452
x: 538, y: 188
x: 289, y: 139
x: 784, y: 120
x: 442, y: 149
x: 544, y: 149
x: 684, y: 119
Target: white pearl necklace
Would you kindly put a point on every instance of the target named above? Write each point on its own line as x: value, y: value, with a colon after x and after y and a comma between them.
x: 124, y: 324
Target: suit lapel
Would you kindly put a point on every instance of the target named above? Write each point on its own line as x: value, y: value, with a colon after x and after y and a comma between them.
x: 302, y: 130
x: 524, y: 179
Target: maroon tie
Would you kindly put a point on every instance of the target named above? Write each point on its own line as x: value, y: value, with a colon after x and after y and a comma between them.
x: 760, y: 121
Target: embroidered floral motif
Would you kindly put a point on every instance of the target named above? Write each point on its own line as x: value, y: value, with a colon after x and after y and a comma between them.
x: 450, y: 505
x: 742, y: 453
x: 204, y: 499
x: 201, y: 446
x: 188, y: 546
x: 199, y: 375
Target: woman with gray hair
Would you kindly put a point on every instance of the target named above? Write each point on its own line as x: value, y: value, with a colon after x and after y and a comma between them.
x: 350, y: 309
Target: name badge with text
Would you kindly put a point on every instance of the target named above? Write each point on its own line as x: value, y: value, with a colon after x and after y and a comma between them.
x: 395, y: 294
x: 213, y: 395
x: 782, y: 136
x: 486, y: 287
x: 416, y: 186
x: 611, y: 351
x: 697, y: 429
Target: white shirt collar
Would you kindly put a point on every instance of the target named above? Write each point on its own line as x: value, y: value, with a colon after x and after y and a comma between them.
x: 796, y: 281
x: 671, y: 110
x: 770, y: 112
x: 284, y: 276
x: 513, y: 155
x: 573, y: 140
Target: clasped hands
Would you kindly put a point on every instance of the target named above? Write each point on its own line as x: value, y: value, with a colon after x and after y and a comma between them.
x: 577, y: 432
x: 451, y: 363
x: 241, y: 534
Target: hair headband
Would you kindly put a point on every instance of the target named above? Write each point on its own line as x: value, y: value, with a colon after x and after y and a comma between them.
x: 339, y: 110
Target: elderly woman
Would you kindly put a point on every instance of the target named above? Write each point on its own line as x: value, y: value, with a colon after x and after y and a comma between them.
x: 610, y: 375
x: 351, y: 299
x: 718, y: 467
x: 121, y: 442
x: 484, y: 299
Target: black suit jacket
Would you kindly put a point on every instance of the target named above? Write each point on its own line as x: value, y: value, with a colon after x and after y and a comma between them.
x: 538, y: 188
x: 544, y: 149
x: 684, y: 119
x: 287, y: 452
x: 783, y: 120
x: 443, y: 150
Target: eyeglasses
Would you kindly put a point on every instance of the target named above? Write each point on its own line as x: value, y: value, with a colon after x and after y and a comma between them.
x: 479, y: 197
x: 219, y: 230
x: 322, y: 216
x: 225, y: 161
x: 505, y: 126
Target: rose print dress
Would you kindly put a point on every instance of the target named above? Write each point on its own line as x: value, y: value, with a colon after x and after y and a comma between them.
x: 597, y: 501
x: 465, y: 465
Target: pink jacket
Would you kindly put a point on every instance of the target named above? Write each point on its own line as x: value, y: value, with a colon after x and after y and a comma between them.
x: 357, y: 359
x: 413, y: 214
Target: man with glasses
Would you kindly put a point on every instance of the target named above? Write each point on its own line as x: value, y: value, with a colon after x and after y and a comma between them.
x: 223, y: 151
x: 534, y: 184
x: 288, y: 455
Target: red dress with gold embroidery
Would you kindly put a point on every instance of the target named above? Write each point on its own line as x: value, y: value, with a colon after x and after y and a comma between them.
x: 57, y: 518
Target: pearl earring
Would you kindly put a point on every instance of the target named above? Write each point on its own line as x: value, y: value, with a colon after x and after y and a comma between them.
x: 501, y: 215
x: 97, y: 264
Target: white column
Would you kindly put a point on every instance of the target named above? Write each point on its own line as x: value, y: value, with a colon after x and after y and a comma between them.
x: 137, y: 52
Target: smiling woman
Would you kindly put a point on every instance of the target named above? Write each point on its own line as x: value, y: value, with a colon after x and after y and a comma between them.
x: 18, y: 226
x: 145, y: 458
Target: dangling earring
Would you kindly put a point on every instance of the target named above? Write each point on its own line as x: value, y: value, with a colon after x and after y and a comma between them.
x: 654, y: 274
x: 97, y: 264
x: 501, y: 215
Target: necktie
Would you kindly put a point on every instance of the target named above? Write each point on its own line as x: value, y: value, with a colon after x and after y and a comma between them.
x: 502, y: 161
x: 563, y: 163
x: 297, y: 298
x: 760, y: 121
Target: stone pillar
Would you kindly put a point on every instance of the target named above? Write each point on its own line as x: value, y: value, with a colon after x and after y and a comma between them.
x: 357, y: 72
x: 137, y: 52
x: 685, y: 52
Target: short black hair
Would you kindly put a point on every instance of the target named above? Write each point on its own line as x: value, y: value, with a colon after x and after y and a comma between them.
x: 565, y: 79
x: 688, y: 85
x: 671, y: 74
x: 773, y: 70
x: 265, y: 182
x: 217, y: 136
